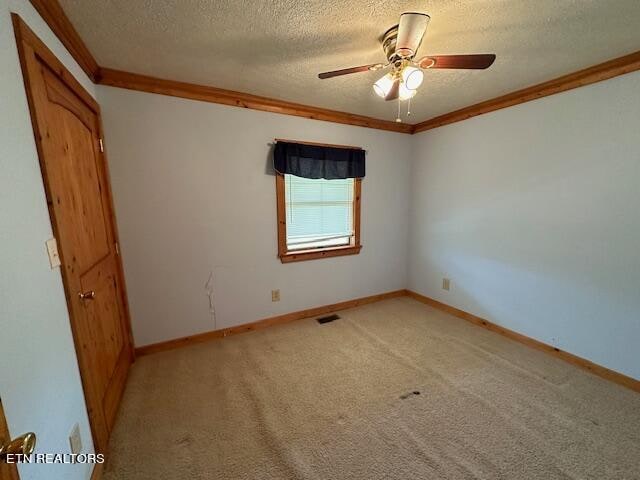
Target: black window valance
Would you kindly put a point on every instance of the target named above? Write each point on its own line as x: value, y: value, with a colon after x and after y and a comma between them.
x: 318, y: 161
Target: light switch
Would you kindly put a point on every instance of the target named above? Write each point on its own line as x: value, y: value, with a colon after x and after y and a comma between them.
x: 52, y: 250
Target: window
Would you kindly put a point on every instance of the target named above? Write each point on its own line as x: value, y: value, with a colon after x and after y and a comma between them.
x: 317, y: 218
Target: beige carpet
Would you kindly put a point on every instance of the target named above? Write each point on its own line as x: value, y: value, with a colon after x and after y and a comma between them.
x: 335, y: 401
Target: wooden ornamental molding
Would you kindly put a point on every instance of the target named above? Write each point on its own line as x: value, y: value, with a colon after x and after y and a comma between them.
x: 288, y: 256
x: 599, y: 370
x: 53, y: 14
x: 266, y: 322
x: 144, y: 83
x: 47, y: 80
x: 594, y: 368
x: 597, y: 73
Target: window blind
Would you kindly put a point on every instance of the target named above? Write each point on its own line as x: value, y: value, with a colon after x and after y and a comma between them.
x: 319, y: 212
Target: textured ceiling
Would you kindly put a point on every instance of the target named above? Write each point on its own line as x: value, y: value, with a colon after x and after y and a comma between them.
x: 276, y: 48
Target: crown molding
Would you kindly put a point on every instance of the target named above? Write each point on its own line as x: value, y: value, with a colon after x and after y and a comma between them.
x: 597, y: 73
x: 52, y: 13
x: 144, y: 83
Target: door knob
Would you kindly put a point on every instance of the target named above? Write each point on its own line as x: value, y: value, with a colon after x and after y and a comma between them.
x: 87, y: 295
x: 23, y: 445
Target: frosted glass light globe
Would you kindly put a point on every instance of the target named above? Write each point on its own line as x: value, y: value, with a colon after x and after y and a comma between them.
x: 382, y: 86
x: 405, y: 93
x: 412, y: 77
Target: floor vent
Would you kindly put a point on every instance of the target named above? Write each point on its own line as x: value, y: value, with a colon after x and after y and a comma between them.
x: 329, y: 318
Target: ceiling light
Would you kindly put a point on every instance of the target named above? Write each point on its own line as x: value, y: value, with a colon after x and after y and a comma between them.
x: 405, y: 93
x: 412, y: 77
x: 383, y: 86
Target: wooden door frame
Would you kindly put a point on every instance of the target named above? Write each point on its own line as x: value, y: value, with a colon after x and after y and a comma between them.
x: 30, y: 45
x: 10, y: 469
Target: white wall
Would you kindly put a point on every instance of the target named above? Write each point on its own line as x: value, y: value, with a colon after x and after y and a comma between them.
x: 39, y: 379
x: 194, y: 195
x: 534, y: 213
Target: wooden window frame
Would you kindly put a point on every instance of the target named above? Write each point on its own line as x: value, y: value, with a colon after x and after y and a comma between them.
x: 287, y: 256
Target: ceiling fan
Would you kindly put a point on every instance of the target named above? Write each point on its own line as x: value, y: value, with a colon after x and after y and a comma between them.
x: 400, y: 44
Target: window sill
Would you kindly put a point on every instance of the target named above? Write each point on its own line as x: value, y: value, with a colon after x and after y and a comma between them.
x: 302, y: 255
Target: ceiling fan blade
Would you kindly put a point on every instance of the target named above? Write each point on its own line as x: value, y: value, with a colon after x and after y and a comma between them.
x: 476, y: 62
x: 346, y: 71
x: 394, y: 91
x: 411, y: 29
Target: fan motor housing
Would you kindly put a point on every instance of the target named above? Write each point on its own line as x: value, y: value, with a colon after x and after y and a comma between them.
x: 389, y: 43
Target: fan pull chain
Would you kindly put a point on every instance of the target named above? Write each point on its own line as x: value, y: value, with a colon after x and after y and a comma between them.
x: 398, y: 116
x: 409, y: 107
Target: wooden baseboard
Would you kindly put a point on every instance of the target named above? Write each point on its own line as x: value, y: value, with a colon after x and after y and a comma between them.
x: 97, y: 471
x: 266, y: 322
x: 583, y: 363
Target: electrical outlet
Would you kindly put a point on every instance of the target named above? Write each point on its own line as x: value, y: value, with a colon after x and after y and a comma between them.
x: 75, y: 440
x: 446, y: 284
x: 275, y: 295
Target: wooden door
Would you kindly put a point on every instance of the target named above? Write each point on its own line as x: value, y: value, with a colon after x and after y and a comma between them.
x: 68, y: 135
x: 8, y: 471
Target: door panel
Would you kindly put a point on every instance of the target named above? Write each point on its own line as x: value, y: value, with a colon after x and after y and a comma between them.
x: 67, y: 128
x: 74, y: 177
x: 113, y: 392
x: 101, y: 321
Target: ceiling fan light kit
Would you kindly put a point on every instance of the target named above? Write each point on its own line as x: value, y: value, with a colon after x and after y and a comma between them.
x: 405, y: 93
x: 400, y: 44
x: 412, y: 77
x: 383, y: 85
